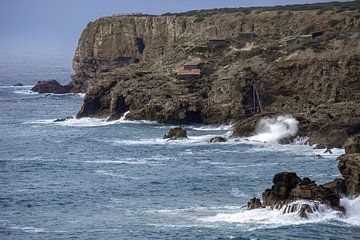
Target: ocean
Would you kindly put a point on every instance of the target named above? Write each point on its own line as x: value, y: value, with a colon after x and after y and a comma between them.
x: 93, y: 179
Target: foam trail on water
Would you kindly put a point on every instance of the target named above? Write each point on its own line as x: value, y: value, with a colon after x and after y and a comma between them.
x: 275, y: 128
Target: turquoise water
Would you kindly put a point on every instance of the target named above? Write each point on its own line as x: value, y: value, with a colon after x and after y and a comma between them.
x: 91, y: 179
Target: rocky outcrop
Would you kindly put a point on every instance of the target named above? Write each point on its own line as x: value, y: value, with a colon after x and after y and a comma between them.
x: 18, y: 85
x: 177, y: 133
x: 254, y: 203
x: 288, y: 189
x: 129, y: 63
x: 51, y: 86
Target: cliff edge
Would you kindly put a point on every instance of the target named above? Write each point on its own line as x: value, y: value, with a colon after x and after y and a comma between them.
x: 302, y: 62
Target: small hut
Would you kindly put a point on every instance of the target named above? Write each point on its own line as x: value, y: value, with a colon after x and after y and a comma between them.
x: 217, y: 41
x: 188, y: 74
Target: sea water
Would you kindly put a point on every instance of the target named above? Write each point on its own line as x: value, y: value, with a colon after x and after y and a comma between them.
x: 93, y: 179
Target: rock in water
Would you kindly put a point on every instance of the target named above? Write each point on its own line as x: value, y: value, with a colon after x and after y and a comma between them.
x: 254, y: 203
x: 18, y: 85
x: 288, y: 188
x: 51, y: 86
x: 177, y: 133
x: 217, y: 139
x: 62, y: 119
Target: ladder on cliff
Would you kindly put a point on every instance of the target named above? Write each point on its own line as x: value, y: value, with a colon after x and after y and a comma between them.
x: 256, y: 104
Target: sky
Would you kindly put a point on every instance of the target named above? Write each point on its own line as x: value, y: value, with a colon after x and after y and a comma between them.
x: 57, y: 24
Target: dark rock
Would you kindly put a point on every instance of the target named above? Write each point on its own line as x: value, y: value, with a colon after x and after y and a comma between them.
x: 304, y: 210
x: 18, y: 85
x: 288, y: 187
x: 349, y: 166
x: 62, y: 119
x: 51, y: 86
x: 177, y: 133
x: 254, y: 203
x: 328, y: 150
x: 352, y: 145
x: 337, y: 186
x: 217, y: 140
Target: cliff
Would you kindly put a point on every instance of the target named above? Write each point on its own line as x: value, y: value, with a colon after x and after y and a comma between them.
x: 129, y: 63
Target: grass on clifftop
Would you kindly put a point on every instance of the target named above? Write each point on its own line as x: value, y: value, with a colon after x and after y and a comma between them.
x: 320, y: 7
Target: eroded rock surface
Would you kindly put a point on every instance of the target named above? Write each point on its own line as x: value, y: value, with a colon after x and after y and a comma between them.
x: 51, y: 86
x: 177, y: 133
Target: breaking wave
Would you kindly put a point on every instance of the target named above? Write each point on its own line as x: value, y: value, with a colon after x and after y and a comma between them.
x: 276, y: 217
x: 275, y: 128
x: 88, y: 122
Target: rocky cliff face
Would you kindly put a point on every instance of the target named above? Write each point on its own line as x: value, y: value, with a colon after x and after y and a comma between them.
x: 129, y: 62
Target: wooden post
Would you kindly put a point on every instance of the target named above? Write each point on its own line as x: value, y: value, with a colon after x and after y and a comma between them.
x: 258, y: 99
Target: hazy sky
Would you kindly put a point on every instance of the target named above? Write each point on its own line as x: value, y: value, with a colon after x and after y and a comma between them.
x: 57, y: 24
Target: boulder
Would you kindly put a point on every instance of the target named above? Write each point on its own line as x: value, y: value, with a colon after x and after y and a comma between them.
x: 51, y: 86
x: 254, y: 203
x: 18, y: 85
x: 217, y: 139
x: 352, y: 145
x: 177, y: 133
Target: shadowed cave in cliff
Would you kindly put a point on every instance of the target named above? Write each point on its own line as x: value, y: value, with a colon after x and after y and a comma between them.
x: 193, y: 117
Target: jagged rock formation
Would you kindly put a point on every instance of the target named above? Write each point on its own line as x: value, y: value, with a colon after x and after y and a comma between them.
x: 129, y: 63
x: 177, y: 133
x: 288, y: 187
x: 51, y: 86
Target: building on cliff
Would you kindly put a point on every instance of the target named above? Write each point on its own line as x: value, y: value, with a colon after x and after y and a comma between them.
x: 217, y: 41
x: 188, y: 74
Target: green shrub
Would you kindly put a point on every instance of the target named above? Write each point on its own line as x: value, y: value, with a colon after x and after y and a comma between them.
x: 199, y: 18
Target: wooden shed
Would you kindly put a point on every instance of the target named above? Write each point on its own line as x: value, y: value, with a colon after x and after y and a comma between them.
x: 217, y: 41
x: 188, y: 74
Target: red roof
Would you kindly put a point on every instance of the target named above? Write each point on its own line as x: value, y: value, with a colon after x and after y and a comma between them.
x: 217, y: 38
x: 188, y: 72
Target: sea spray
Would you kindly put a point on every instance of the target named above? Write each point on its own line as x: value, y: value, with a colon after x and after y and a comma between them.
x: 352, y: 210
x: 275, y: 128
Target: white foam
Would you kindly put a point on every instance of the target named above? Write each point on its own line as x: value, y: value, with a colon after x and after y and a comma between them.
x: 111, y: 174
x: 352, y: 206
x: 213, y: 128
x: 25, y: 92
x: 275, y: 128
x: 28, y: 229
x: 87, y: 122
x: 276, y: 217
